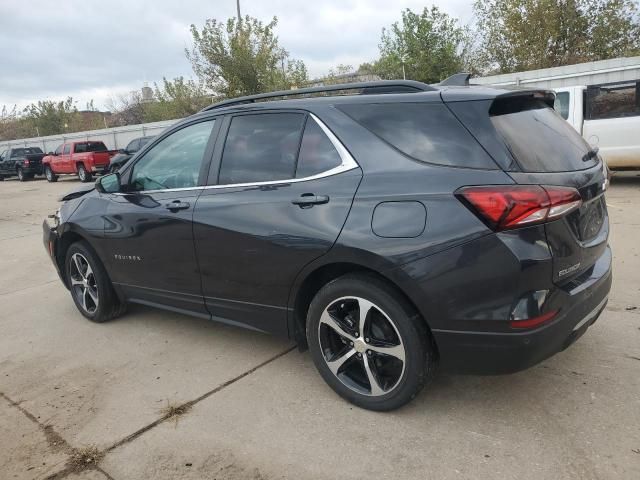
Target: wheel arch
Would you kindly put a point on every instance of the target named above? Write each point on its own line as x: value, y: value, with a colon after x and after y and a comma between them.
x: 315, y: 278
x: 70, y: 236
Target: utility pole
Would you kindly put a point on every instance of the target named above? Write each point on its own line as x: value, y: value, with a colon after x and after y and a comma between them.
x: 238, y: 8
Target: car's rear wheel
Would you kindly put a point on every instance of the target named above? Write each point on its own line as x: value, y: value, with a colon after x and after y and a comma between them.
x: 21, y: 175
x: 90, y: 287
x: 51, y: 177
x: 369, y: 343
x: 83, y: 174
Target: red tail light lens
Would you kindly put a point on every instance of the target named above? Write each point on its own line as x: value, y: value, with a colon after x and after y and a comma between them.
x: 26, y: 161
x: 512, y: 206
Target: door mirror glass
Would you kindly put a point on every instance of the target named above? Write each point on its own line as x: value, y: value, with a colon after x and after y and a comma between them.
x: 109, y: 183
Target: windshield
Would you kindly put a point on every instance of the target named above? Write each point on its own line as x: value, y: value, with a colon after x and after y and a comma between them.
x: 538, y: 138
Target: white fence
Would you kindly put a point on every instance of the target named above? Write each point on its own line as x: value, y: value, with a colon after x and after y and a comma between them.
x: 113, y: 138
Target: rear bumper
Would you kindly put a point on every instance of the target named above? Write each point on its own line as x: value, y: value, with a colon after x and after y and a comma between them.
x: 497, y: 353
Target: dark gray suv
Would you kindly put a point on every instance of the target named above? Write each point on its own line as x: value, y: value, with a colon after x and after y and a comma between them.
x: 389, y: 226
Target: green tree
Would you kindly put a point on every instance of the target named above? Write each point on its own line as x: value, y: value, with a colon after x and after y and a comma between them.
x: 529, y: 34
x: 242, y: 57
x: 176, y: 98
x: 427, y: 46
x: 49, y: 117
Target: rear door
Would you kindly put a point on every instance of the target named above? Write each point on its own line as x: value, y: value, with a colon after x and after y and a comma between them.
x: 548, y: 151
x: 281, y: 186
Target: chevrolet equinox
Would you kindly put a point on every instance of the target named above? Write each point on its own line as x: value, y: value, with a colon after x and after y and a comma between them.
x: 389, y: 227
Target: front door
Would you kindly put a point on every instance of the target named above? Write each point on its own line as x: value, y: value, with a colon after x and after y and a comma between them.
x: 149, y: 226
x: 280, y: 201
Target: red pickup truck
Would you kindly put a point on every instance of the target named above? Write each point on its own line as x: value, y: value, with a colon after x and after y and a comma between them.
x: 81, y: 158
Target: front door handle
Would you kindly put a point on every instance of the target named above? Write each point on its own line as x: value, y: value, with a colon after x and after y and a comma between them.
x: 177, y: 205
x: 308, y: 200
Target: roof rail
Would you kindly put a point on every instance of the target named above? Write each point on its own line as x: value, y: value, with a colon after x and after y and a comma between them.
x: 456, y: 80
x: 368, y: 88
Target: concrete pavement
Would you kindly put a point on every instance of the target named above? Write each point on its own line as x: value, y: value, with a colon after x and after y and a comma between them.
x: 259, y: 410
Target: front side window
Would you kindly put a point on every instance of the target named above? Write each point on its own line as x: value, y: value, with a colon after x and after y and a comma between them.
x: 561, y: 104
x: 59, y: 149
x: 262, y: 147
x: 174, y: 162
x: 67, y: 150
x: 133, y: 146
x: 317, y: 153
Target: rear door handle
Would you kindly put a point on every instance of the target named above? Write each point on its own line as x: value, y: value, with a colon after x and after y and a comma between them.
x: 308, y: 200
x: 177, y: 205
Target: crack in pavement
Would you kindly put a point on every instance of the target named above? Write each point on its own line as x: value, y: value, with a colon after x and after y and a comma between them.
x: 57, y: 442
x: 191, y: 403
x: 27, y: 288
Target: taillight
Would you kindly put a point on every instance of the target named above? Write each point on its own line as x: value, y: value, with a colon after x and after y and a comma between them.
x: 511, y: 206
x: 26, y: 161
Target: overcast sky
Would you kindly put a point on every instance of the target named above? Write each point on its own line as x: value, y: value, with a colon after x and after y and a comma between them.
x: 97, y: 49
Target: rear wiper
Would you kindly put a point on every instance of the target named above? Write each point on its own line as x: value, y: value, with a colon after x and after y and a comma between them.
x: 590, y: 154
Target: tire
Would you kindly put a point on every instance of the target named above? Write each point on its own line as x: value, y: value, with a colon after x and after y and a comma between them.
x: 393, y: 322
x: 90, y: 288
x: 51, y: 177
x: 1, y: 178
x: 83, y: 174
x: 23, y: 177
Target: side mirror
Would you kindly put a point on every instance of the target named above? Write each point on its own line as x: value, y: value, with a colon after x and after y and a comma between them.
x: 50, y: 153
x: 122, y: 150
x: 109, y: 183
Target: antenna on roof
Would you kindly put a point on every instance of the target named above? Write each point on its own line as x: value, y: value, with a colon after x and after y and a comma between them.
x: 456, y: 80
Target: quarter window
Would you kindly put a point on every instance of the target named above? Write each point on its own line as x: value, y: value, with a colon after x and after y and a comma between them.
x: 317, y: 153
x: 174, y: 162
x: 426, y: 132
x: 260, y: 148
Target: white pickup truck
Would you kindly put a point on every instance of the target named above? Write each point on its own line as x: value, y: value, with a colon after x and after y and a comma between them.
x: 608, y: 117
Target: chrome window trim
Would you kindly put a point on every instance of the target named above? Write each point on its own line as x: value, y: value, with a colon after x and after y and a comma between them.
x: 348, y: 163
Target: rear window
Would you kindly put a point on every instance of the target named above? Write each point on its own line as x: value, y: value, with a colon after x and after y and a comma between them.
x: 425, y: 132
x: 90, y: 147
x: 26, y: 151
x: 537, y: 136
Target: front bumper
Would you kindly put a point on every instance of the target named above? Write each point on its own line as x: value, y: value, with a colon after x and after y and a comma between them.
x: 499, y: 352
x: 50, y: 238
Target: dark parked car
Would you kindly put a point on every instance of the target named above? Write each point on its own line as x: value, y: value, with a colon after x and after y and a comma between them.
x: 118, y: 160
x: 391, y: 230
x: 21, y: 162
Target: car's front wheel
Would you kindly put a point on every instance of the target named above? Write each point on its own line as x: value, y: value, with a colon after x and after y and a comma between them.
x: 89, y: 284
x: 368, y: 343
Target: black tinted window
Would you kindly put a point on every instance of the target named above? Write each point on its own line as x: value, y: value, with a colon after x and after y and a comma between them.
x: 613, y: 101
x: 538, y: 138
x: 426, y: 132
x: 261, y: 148
x: 317, y: 153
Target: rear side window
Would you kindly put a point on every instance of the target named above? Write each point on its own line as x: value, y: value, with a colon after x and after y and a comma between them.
x: 317, y: 153
x: 260, y: 148
x: 90, y: 147
x: 537, y: 137
x: 613, y: 101
x: 426, y: 132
